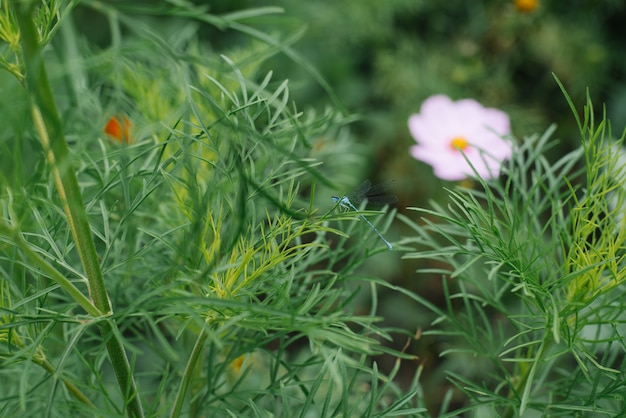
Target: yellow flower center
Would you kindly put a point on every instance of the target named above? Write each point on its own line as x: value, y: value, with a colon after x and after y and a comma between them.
x: 459, y: 143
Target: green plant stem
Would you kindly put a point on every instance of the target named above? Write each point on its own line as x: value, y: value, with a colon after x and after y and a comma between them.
x: 48, y: 124
x: 187, y: 376
x: 46, y: 365
x: 36, y: 260
x: 526, y: 377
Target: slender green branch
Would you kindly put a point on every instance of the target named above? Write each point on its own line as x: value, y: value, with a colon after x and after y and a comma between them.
x: 48, y: 123
x: 525, y: 379
x: 38, y: 261
x: 46, y: 365
x: 188, y: 374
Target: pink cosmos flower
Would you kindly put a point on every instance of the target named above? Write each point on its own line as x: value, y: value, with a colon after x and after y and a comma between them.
x: 444, y: 128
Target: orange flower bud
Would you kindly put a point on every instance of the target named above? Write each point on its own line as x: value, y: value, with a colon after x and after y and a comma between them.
x: 119, y: 131
x: 526, y: 6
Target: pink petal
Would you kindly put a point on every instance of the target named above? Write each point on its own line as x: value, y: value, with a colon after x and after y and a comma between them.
x: 452, y: 173
x: 440, y: 120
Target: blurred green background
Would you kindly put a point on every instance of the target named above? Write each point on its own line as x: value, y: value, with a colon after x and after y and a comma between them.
x: 383, y: 58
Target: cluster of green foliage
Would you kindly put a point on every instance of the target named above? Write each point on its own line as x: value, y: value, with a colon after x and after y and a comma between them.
x: 182, y: 267
x: 533, y: 278
x: 189, y: 262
